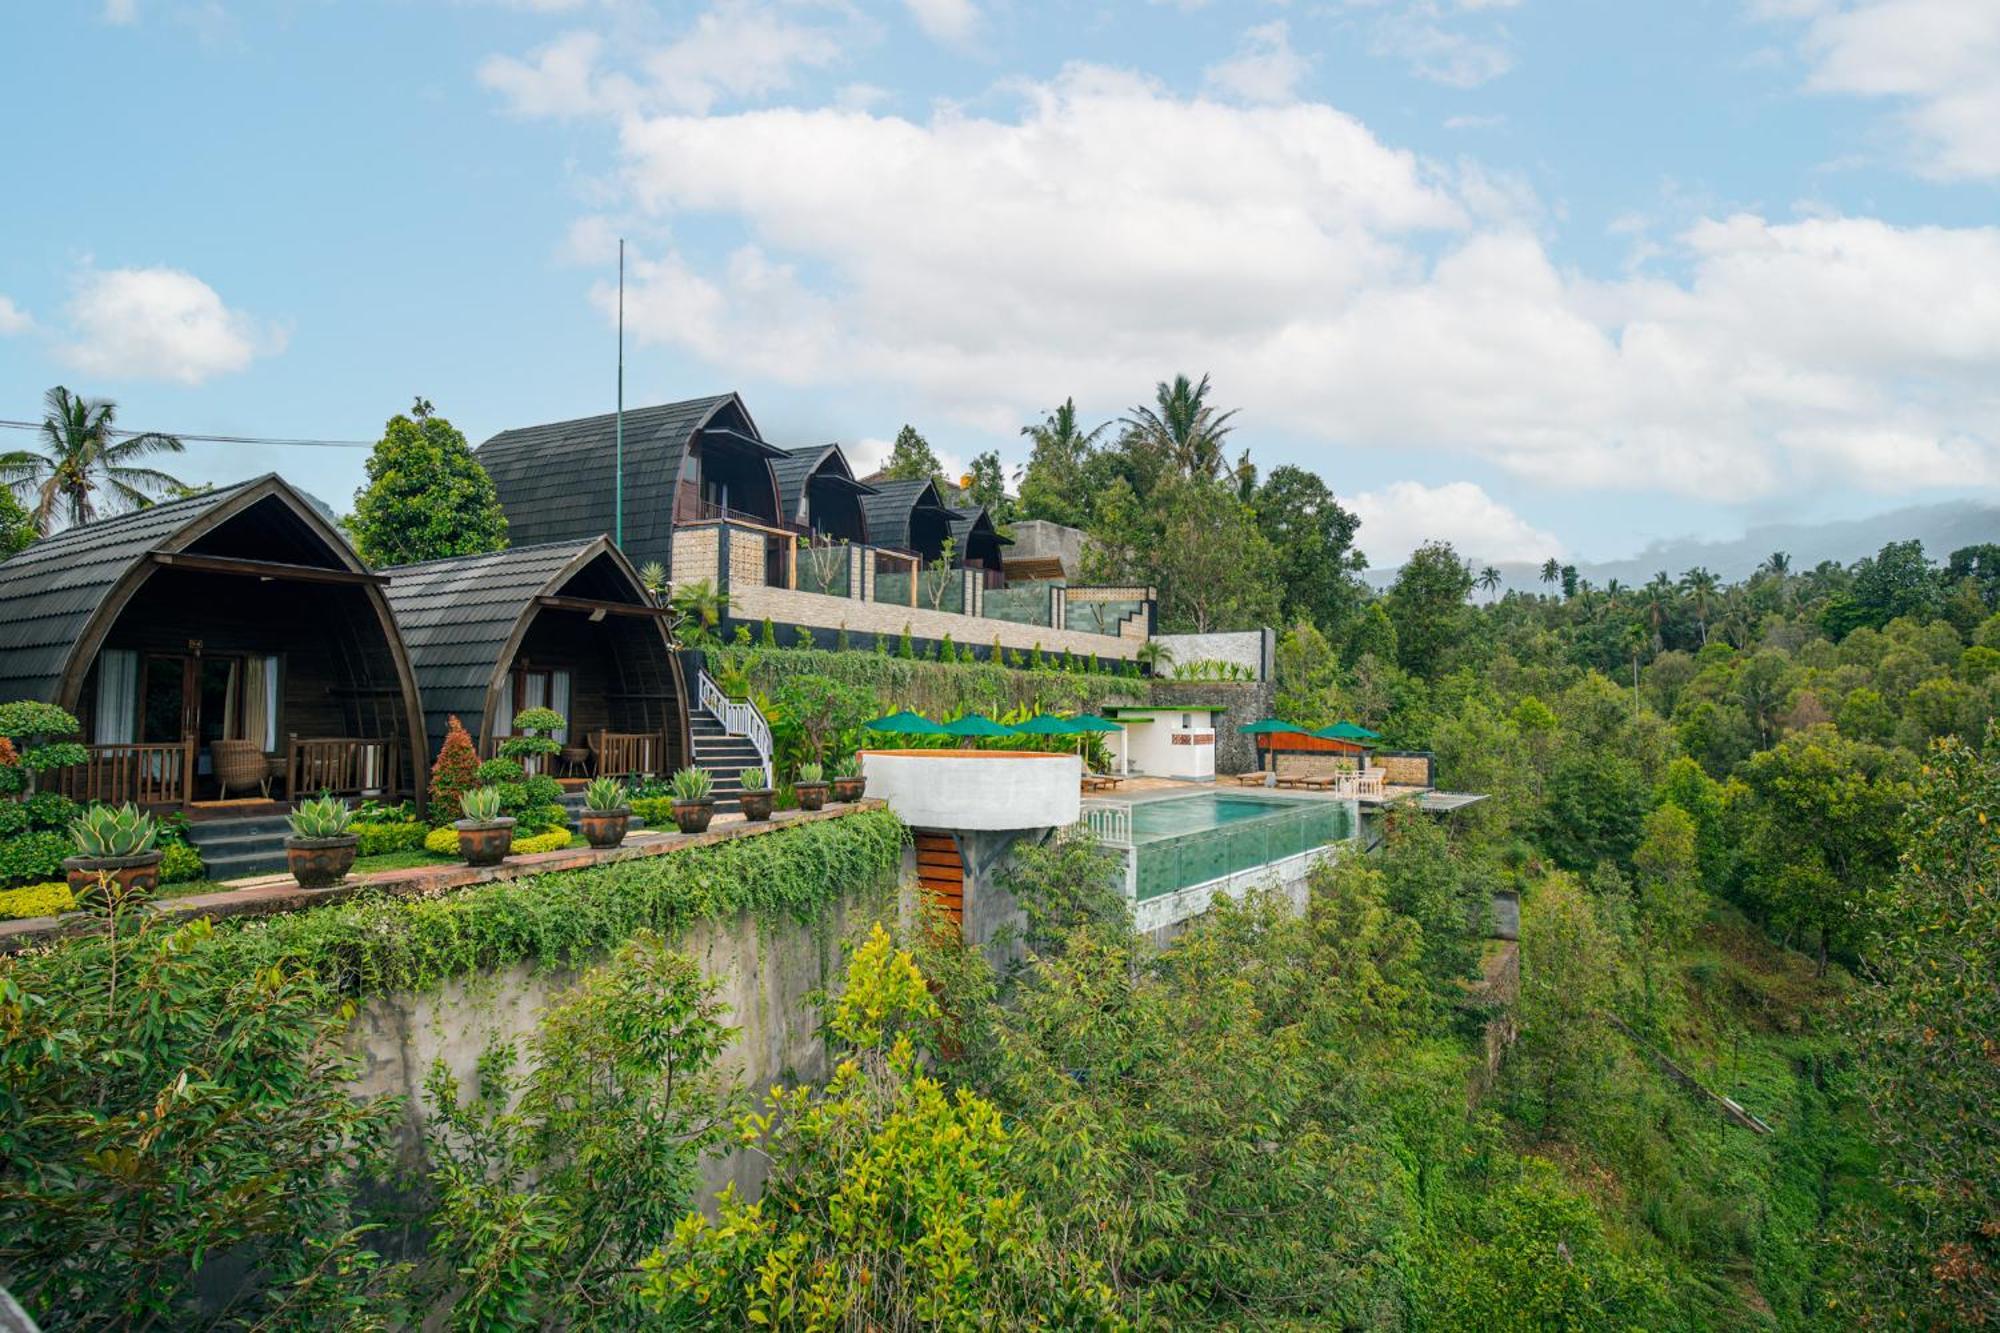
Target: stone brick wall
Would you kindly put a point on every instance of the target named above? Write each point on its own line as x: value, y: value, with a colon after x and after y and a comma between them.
x: 1252, y: 648
x: 787, y: 607
x: 1404, y: 770
x: 694, y: 557
x: 746, y: 558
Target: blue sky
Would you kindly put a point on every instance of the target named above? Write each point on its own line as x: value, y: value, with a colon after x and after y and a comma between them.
x: 1532, y: 275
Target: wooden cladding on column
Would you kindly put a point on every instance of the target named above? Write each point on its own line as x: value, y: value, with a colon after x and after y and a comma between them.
x: 941, y: 874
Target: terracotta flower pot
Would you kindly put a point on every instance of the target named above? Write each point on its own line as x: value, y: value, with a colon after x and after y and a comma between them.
x: 812, y: 795
x: 693, y: 816
x: 485, y: 844
x: 605, y: 828
x: 756, y: 804
x: 848, y: 790
x: 141, y: 872
x: 319, y: 863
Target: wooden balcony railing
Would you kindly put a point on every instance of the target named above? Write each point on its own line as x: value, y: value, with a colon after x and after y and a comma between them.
x: 617, y: 753
x: 150, y: 774
x: 341, y: 765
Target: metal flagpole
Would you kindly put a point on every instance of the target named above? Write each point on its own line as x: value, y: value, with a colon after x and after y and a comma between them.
x: 618, y: 462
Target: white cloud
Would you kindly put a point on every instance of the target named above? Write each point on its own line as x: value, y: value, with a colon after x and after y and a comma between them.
x: 13, y: 319
x: 1341, y: 290
x: 952, y: 22
x: 159, y: 323
x: 1939, y: 60
x: 1437, y: 51
x: 121, y: 12
x: 1403, y: 515
x: 1265, y: 68
x: 735, y: 50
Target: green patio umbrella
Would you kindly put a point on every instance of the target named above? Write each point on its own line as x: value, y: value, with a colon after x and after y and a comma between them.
x: 1271, y: 726
x: 975, y: 724
x: 1093, y: 723
x: 907, y: 723
x: 1047, y: 724
x: 1346, y: 731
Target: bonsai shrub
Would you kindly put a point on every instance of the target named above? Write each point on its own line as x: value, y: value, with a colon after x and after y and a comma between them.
x: 605, y: 795
x: 541, y: 724
x: 103, y: 832
x: 455, y: 772
x: 322, y: 817
x: 534, y: 802
x: 38, y: 736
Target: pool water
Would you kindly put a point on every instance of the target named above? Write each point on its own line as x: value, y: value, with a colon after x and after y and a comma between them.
x: 1191, y: 840
x: 1192, y: 814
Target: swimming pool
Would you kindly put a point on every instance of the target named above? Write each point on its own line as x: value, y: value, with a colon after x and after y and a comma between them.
x: 1178, y: 842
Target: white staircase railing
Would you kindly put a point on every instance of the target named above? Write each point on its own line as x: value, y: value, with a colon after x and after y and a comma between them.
x: 738, y: 718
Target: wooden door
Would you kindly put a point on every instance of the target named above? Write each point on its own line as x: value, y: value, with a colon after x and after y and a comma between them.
x: 941, y: 874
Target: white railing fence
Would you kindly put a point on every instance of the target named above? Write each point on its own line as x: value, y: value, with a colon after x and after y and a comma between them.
x: 1109, y: 822
x: 738, y: 718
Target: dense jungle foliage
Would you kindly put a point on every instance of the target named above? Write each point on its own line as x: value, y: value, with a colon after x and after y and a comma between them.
x: 1752, y: 832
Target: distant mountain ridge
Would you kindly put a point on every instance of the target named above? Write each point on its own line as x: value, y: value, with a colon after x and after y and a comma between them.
x: 1942, y: 528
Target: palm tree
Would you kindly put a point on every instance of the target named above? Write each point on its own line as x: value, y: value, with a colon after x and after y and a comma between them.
x: 1701, y: 584
x: 1777, y: 564
x: 1656, y: 603
x: 1153, y: 655
x: 1551, y: 570
x: 1185, y: 427
x: 1489, y: 579
x: 1060, y: 438
x: 81, y: 455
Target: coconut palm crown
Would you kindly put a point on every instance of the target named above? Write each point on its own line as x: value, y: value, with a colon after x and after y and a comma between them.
x: 86, y: 467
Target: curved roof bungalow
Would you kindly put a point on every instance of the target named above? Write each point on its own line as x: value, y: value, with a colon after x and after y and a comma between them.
x: 819, y: 493
x: 698, y: 463
x: 978, y: 542
x: 909, y: 516
x: 561, y: 625
x: 228, y: 643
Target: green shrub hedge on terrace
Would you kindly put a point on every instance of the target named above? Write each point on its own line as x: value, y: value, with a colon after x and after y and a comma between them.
x: 935, y: 689
x: 567, y: 919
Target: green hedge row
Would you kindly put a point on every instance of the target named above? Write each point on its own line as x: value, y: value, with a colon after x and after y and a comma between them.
x: 566, y: 919
x: 931, y: 688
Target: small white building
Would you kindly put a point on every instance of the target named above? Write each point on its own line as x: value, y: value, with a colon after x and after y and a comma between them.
x: 1176, y: 742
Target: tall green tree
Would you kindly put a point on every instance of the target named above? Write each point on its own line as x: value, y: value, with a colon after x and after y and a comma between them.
x: 1193, y: 541
x: 86, y: 466
x: 1312, y: 538
x: 911, y: 458
x: 1184, y: 427
x: 17, y: 525
x: 1427, y: 604
x: 427, y: 497
x: 1924, y: 1028
x: 1055, y: 484
x: 989, y: 486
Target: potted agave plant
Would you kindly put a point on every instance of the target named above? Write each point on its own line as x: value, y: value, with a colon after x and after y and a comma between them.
x: 321, y: 851
x: 485, y: 836
x: 811, y: 786
x: 694, y: 799
x: 606, y: 813
x: 848, y: 780
x: 755, y: 798
x: 114, y: 841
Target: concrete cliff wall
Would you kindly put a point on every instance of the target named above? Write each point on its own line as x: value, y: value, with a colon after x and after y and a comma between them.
x: 765, y: 973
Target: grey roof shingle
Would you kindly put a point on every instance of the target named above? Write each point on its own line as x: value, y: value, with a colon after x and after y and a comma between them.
x: 457, y: 616
x: 49, y: 592
x: 556, y: 481
x: 966, y: 518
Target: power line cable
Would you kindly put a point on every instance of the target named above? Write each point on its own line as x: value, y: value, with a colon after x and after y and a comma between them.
x: 220, y: 439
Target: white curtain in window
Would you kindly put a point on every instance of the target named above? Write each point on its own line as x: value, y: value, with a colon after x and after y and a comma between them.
x: 559, y: 700
x: 117, y: 704
x: 503, y: 713
x: 260, y: 702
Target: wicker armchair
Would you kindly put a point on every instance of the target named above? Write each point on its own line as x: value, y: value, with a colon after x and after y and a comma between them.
x: 240, y: 764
